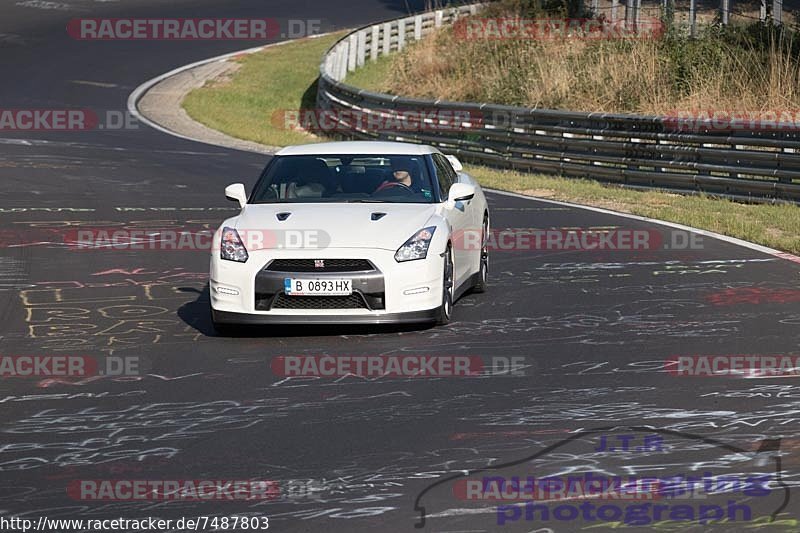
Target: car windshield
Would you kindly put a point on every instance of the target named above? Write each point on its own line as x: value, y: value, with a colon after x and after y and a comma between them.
x: 345, y: 179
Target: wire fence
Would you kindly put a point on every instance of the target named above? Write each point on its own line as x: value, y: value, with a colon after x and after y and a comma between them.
x: 691, y: 15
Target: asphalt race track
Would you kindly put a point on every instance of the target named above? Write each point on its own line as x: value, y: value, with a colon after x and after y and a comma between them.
x: 594, y: 331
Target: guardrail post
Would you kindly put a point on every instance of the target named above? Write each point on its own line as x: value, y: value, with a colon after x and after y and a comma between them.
x: 693, y: 18
x: 337, y: 56
x: 401, y: 34
x: 777, y: 12
x: 361, y: 52
x: 418, y: 27
x: 637, y: 18
x: 724, y: 11
x: 344, y: 61
x: 438, y: 18
x: 387, y: 38
x: 340, y: 64
x: 788, y: 151
x: 629, y: 13
x: 331, y: 66
x: 352, y: 46
x: 373, y: 44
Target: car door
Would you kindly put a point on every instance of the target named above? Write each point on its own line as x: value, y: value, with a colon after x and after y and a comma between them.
x: 460, y: 220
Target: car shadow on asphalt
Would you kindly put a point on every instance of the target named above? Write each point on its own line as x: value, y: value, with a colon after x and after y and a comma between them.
x: 197, y: 314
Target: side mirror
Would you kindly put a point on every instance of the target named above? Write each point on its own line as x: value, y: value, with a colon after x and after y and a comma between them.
x: 460, y: 192
x: 457, y: 166
x: 236, y: 193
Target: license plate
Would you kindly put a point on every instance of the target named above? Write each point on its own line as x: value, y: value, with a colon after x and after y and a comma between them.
x: 317, y: 287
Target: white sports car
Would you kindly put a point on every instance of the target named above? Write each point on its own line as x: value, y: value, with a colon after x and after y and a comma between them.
x: 351, y: 232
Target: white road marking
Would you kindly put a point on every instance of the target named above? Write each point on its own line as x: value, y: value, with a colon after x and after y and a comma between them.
x: 95, y: 83
x: 42, y: 4
x: 732, y: 240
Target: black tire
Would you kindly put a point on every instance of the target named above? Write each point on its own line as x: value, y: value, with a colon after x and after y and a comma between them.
x: 483, y: 273
x: 448, y: 290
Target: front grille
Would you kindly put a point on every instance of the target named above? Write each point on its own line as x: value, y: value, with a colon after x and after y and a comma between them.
x: 309, y: 265
x: 357, y: 300
x: 354, y: 301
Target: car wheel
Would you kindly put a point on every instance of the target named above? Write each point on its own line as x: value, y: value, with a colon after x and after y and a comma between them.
x: 483, y: 273
x: 448, y: 289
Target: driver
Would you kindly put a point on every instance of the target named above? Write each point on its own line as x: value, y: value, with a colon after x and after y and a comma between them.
x: 401, y: 174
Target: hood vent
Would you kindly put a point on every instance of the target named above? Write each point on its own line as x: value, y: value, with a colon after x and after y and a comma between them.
x: 283, y: 216
x: 378, y: 216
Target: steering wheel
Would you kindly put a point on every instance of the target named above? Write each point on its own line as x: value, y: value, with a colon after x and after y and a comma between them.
x: 392, y: 184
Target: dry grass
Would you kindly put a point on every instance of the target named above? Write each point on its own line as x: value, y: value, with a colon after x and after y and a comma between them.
x: 732, y: 71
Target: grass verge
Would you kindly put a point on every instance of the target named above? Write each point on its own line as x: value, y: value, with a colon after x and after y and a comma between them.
x: 283, y: 78
x: 777, y: 226
x: 250, y: 104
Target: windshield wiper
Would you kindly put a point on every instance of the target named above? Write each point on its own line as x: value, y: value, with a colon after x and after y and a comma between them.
x: 365, y: 201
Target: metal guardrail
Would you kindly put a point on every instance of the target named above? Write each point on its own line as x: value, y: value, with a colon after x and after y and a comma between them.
x: 625, y: 149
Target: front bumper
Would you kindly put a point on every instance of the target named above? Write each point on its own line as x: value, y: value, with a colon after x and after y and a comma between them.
x: 390, y: 292
x: 223, y: 317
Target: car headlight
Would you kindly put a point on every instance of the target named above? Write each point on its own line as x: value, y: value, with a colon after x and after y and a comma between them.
x: 416, y: 247
x: 231, y: 246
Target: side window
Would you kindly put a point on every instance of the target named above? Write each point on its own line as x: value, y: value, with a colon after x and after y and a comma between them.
x: 444, y: 173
